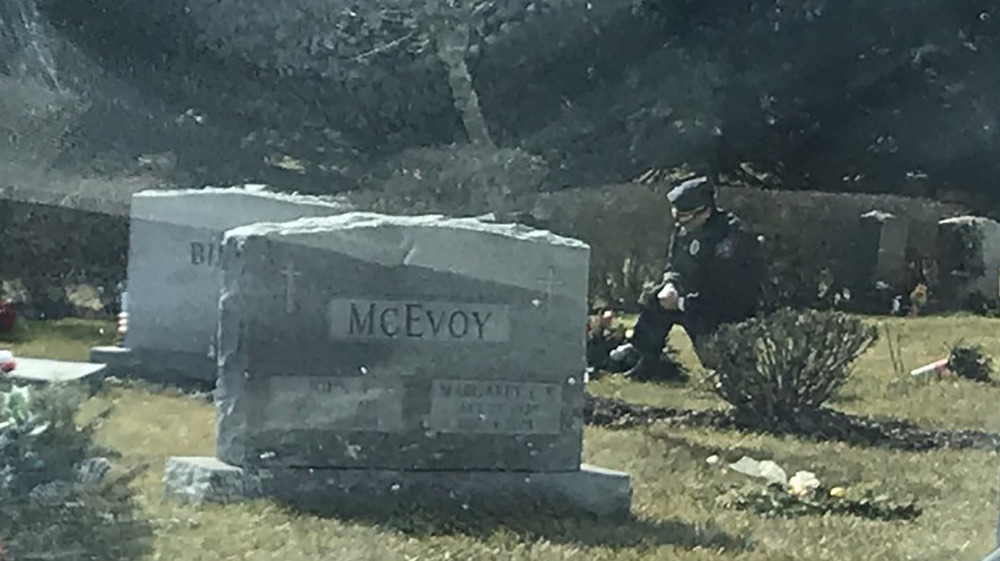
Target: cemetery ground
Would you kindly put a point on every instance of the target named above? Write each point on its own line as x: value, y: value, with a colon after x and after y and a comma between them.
x: 677, y: 514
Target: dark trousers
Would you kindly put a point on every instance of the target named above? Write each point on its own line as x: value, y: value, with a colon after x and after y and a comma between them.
x: 655, y: 322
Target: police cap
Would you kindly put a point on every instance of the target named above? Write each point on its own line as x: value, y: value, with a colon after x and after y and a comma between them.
x: 692, y: 194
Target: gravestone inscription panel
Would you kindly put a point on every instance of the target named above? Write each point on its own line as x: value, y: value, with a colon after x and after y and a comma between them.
x: 174, y: 267
x: 461, y: 406
x: 362, y: 340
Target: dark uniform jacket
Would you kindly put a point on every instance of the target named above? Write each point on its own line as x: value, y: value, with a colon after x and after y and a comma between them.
x: 718, y: 269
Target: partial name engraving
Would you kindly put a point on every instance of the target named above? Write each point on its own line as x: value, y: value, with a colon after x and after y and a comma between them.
x: 328, y: 403
x: 358, y: 319
x: 205, y: 254
x: 485, y: 407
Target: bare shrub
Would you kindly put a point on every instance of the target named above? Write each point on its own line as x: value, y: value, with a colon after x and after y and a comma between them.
x: 772, y: 368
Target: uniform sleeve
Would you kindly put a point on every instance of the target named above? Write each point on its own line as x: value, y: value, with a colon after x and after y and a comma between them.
x: 670, y: 274
x: 737, y: 271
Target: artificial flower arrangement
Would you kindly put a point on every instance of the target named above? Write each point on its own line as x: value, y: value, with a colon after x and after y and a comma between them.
x: 7, y: 362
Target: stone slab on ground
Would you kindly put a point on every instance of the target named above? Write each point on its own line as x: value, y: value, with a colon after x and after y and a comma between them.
x: 114, y: 358
x: 123, y: 363
x: 40, y: 370
x: 589, y: 490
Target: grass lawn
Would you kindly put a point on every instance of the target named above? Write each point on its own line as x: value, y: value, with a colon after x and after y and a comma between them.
x: 675, y: 489
x: 64, y: 339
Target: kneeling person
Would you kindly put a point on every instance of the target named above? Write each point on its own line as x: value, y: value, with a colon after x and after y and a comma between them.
x: 714, y: 275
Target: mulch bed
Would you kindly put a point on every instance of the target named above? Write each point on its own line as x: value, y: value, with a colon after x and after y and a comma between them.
x: 817, y: 424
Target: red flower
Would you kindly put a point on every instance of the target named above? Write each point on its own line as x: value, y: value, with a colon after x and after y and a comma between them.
x: 7, y: 361
x: 607, y: 317
x: 7, y: 316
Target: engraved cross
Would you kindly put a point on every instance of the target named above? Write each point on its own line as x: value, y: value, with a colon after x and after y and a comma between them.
x: 290, y: 273
x: 549, y: 282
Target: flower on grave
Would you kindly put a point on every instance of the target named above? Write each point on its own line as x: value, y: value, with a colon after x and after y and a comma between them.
x: 918, y: 299
x: 607, y: 318
x: 8, y: 317
x: 776, y: 501
x: 7, y: 362
x: 803, y: 484
x: 122, y: 323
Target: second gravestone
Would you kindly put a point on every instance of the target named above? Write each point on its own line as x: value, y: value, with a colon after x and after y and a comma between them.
x: 175, y: 273
x: 968, y: 254
x: 368, y: 359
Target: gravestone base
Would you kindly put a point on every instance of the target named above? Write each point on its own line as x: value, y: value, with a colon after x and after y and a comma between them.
x: 591, y: 490
x: 174, y: 368
x: 116, y: 359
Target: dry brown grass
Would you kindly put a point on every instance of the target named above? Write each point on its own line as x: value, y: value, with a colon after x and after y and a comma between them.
x: 675, y: 489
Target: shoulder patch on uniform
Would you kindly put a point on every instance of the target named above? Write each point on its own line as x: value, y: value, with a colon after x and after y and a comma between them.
x: 724, y: 248
x: 695, y: 247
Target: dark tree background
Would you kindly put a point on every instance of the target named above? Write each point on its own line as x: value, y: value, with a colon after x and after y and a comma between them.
x: 848, y: 95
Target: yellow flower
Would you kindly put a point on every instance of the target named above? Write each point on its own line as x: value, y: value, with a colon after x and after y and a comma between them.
x: 838, y: 492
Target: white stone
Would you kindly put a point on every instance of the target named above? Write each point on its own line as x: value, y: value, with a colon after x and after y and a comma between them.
x: 44, y: 370
x: 174, y: 267
x: 986, y: 284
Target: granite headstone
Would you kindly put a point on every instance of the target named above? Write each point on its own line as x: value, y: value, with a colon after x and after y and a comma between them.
x: 968, y: 257
x: 174, y: 271
x: 434, y: 357
x: 884, y: 239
